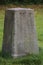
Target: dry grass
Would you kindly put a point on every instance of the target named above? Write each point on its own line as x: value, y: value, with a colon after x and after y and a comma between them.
x: 24, y: 6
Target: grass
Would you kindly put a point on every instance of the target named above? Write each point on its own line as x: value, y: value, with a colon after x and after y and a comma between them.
x: 39, y: 25
x: 1, y: 27
x: 29, y: 58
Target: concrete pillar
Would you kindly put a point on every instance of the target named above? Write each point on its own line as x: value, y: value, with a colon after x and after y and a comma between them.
x: 19, y: 32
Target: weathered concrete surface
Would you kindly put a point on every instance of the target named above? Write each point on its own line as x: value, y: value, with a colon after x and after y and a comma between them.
x: 19, y: 32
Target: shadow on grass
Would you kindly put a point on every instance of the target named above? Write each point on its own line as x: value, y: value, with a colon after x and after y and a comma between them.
x: 0, y: 54
x: 5, y: 56
x: 26, y: 60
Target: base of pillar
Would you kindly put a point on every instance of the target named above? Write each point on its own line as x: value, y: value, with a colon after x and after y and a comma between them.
x: 18, y: 55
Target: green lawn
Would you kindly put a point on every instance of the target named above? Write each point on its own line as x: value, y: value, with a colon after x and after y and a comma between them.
x: 39, y: 28
x: 1, y: 27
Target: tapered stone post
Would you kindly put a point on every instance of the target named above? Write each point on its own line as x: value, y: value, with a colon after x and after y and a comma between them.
x: 19, y: 37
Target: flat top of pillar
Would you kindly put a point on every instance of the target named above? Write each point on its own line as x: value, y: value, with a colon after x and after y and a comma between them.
x: 19, y: 9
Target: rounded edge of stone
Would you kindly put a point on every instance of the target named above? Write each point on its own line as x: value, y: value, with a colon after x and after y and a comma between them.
x: 16, y: 9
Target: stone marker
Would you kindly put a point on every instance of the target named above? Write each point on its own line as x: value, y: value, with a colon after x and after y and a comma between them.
x: 19, y: 32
